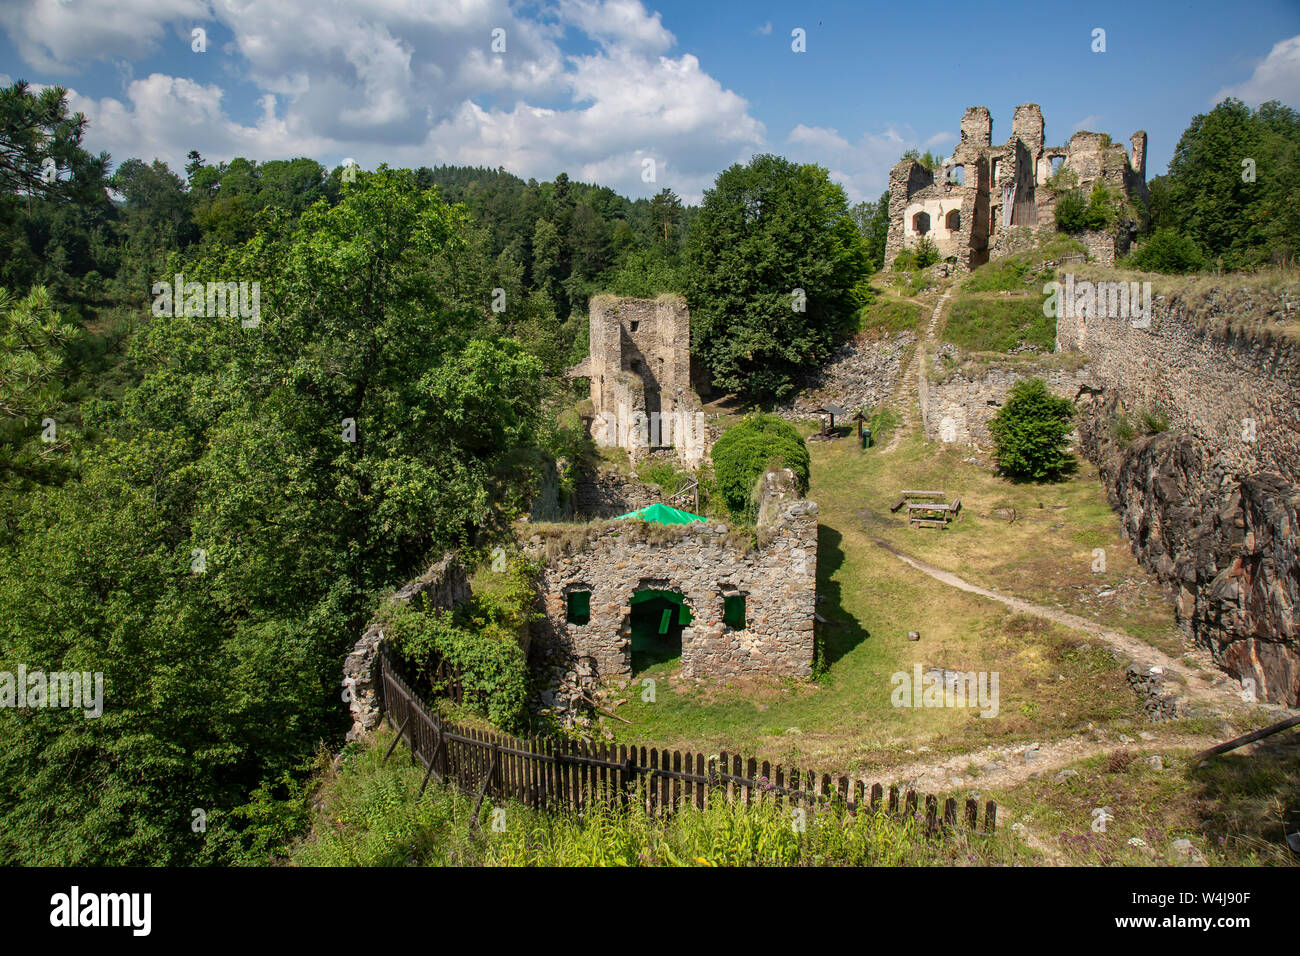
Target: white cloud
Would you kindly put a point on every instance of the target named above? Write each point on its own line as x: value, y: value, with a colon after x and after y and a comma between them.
x: 861, y: 166
x: 410, y: 82
x: 618, y: 23
x: 1276, y: 77
x: 1089, y: 123
x: 765, y: 30
x: 55, y: 35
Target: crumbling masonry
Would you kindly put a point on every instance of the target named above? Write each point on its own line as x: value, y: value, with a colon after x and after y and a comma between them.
x: 985, y: 200
x: 640, y: 370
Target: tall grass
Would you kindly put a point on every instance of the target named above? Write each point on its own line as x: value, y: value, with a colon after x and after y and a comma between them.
x: 371, y: 816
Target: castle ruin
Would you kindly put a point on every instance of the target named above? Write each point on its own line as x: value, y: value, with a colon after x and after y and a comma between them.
x: 985, y: 200
x: 639, y: 364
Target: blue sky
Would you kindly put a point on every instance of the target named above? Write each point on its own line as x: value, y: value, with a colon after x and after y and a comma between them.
x: 597, y: 87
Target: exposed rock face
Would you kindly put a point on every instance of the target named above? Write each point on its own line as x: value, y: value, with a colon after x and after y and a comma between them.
x: 862, y: 373
x: 444, y: 585
x: 1225, y: 545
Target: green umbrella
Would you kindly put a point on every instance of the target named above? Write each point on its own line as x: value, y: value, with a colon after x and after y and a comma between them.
x: 662, y: 514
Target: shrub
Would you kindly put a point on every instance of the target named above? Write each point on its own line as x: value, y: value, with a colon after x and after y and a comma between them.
x: 1029, y: 433
x: 1153, y: 422
x: 1168, y: 251
x: 926, y: 252
x: 479, y: 644
x: 748, y: 449
x: 1122, y: 430
x: 1074, y: 213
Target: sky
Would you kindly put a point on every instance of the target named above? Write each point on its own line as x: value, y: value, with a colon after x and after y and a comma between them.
x: 597, y: 88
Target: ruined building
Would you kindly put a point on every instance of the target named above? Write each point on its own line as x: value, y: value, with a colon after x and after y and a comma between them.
x: 640, y: 369
x: 986, y: 200
x: 628, y: 594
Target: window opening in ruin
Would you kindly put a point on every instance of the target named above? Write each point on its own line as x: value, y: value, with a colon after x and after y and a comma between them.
x: 579, y: 609
x: 957, y: 175
x: 921, y: 223
x: 657, y: 621
x: 953, y: 222
x: 997, y: 168
x: 1057, y: 162
x: 733, y: 611
x: 636, y: 326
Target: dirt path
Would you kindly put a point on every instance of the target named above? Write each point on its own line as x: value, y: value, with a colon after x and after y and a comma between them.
x: 906, y: 397
x: 1004, y: 767
x: 1218, y: 694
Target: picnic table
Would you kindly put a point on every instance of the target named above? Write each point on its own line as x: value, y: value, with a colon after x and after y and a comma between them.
x: 929, y: 513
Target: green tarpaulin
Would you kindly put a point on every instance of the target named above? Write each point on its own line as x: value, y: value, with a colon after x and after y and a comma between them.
x: 662, y: 514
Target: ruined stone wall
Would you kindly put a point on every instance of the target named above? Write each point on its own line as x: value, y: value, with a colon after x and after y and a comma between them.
x: 639, y: 365
x: 960, y: 406
x: 443, y: 585
x: 1210, y: 505
x: 1212, y: 385
x: 704, y: 564
x: 1225, y: 546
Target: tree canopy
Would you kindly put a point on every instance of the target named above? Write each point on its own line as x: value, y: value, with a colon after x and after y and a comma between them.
x: 773, y: 266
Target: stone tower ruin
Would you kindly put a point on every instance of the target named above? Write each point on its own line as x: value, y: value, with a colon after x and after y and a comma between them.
x: 639, y: 364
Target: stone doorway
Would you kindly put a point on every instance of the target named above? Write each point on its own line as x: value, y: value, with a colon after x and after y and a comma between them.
x: 656, y: 623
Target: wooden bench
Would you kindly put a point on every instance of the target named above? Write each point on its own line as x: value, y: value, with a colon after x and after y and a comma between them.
x: 914, y: 494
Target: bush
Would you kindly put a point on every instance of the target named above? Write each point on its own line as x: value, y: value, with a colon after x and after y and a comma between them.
x: 1076, y: 214
x: 1168, y: 251
x: 1029, y: 433
x: 926, y: 252
x: 747, y: 450
x: 479, y: 645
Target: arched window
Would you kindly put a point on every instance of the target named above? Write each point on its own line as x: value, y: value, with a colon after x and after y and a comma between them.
x: 953, y: 220
x: 957, y: 175
x: 1057, y: 162
x: 921, y: 223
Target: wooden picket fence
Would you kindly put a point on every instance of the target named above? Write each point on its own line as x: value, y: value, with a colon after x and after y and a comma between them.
x: 559, y: 775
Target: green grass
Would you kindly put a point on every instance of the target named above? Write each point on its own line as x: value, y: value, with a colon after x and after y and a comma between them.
x: 978, y: 324
x: 1231, y: 810
x: 370, y: 814
x: 886, y: 317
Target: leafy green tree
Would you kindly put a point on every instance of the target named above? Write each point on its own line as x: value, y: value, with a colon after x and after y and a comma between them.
x: 745, y: 451
x: 873, y: 222
x: 772, y: 264
x: 1167, y: 251
x: 40, y: 147
x: 31, y: 337
x: 1030, y: 433
x: 1232, y: 184
x: 219, y: 552
x: 666, y: 209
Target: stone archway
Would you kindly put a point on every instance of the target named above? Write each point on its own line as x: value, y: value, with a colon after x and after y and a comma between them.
x: 659, y: 613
